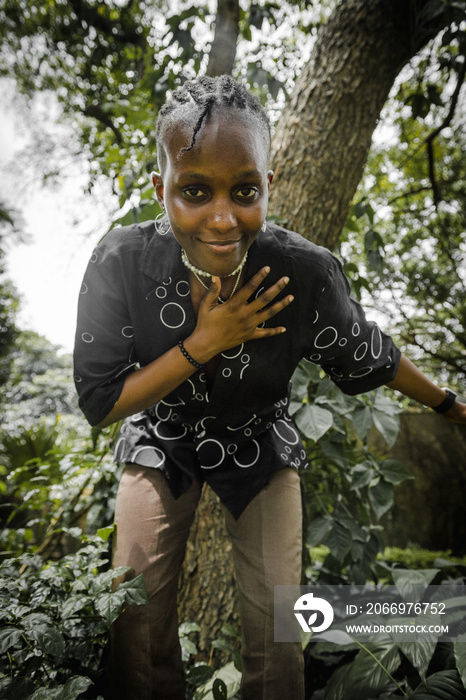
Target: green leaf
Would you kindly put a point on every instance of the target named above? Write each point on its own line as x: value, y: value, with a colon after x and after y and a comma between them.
x: 411, y: 583
x: 393, y: 471
x: 362, y: 420
x: 199, y: 673
x: 313, y: 421
x: 444, y: 685
x: 48, y: 639
x: 381, y: 497
x: 74, y: 687
x: 135, y: 590
x: 188, y: 627
x: 74, y: 604
x: 221, y: 644
x: 8, y: 638
x: 362, y: 475
x: 386, y: 418
x: 460, y: 657
x: 339, y: 541
x: 105, y: 532
x: 419, y: 653
x: 367, y: 676
x: 318, y: 530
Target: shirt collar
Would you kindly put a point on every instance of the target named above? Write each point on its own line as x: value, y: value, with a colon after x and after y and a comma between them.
x: 162, y: 257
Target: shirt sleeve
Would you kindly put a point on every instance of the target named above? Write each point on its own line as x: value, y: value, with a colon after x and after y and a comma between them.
x: 353, y: 351
x: 104, y: 347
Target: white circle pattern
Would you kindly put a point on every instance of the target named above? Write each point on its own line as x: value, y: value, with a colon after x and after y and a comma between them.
x: 222, y: 453
x: 254, y: 461
x: 326, y: 338
x: 172, y: 315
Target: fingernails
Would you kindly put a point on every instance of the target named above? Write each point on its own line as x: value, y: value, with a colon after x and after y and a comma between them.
x: 267, y: 270
x: 286, y: 280
x: 290, y: 299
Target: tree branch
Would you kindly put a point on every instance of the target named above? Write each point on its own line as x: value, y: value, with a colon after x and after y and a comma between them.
x: 98, y: 113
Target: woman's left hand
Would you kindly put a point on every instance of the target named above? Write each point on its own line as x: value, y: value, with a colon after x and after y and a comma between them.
x: 457, y: 413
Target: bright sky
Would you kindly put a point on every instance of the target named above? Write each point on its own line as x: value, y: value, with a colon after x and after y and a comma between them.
x: 48, y: 271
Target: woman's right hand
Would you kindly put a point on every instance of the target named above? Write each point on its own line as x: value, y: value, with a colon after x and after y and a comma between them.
x: 224, y: 326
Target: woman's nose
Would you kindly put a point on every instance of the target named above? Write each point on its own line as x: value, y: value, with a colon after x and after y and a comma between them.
x: 222, y: 217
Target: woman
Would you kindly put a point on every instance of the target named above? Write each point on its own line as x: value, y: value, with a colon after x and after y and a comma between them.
x: 191, y: 329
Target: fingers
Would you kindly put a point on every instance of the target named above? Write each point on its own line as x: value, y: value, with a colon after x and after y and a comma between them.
x: 213, y: 292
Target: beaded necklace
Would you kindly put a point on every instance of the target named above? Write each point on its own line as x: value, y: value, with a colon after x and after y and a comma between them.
x: 201, y: 273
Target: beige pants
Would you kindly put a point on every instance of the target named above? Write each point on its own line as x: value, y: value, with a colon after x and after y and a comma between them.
x: 152, y: 529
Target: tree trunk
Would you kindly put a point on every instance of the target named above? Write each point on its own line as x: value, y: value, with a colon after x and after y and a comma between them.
x: 324, y: 134
x: 223, y: 51
x: 207, y: 584
x: 319, y: 151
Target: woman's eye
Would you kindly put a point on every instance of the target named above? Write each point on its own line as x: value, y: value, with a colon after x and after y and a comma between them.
x: 247, y: 193
x: 194, y: 192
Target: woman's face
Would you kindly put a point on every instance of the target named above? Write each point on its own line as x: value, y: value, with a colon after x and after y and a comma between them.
x: 216, y: 194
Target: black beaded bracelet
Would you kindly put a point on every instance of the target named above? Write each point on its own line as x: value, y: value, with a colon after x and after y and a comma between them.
x: 188, y: 356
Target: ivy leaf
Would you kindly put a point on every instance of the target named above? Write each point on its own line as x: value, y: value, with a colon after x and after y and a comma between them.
x: 381, y: 497
x: 313, y: 421
x: 444, y: 685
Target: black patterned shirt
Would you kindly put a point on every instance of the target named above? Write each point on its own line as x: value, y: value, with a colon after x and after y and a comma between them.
x: 135, y: 305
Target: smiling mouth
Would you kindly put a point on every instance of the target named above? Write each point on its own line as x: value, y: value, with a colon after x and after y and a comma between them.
x: 222, y: 246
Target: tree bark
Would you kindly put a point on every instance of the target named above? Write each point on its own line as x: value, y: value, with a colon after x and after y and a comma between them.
x: 207, y: 592
x: 223, y: 51
x: 324, y: 135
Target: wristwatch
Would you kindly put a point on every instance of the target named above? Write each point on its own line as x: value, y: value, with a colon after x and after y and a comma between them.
x: 447, y: 402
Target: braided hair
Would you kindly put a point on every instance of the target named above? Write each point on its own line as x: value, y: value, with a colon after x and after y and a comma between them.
x: 196, y: 99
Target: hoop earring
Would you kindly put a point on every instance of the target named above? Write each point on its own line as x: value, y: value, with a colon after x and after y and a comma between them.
x: 161, y: 227
x: 264, y: 226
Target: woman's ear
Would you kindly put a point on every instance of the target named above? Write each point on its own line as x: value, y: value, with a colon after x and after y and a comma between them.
x: 270, y: 177
x: 158, y: 184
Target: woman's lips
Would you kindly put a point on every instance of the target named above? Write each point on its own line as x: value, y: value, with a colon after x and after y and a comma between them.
x: 222, y: 246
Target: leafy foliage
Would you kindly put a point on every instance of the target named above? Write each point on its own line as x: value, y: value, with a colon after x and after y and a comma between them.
x: 9, y: 301
x: 405, y: 236
x: 40, y: 383
x: 55, y: 620
x: 347, y: 490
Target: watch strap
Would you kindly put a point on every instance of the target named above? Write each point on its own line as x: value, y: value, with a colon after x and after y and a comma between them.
x: 447, y: 402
